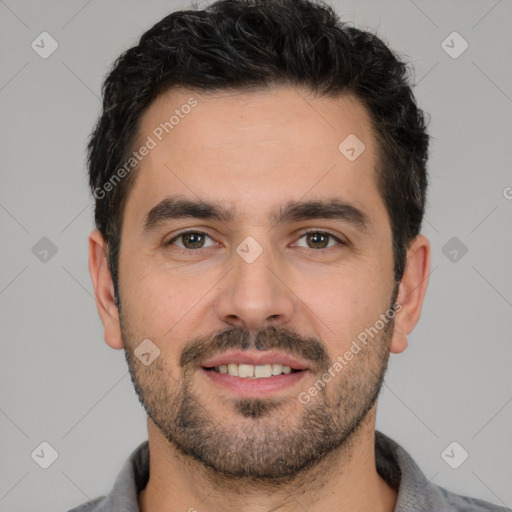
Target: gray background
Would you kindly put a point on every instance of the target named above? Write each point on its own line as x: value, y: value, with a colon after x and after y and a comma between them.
x: 60, y: 383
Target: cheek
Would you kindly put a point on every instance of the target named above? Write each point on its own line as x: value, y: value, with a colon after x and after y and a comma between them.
x: 341, y: 306
x: 160, y: 303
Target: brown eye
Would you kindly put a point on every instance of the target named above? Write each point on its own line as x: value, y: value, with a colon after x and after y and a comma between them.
x: 190, y: 240
x: 317, y: 240
x: 193, y: 240
x: 320, y: 240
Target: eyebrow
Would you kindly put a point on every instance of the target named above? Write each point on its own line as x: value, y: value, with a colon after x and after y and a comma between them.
x: 177, y: 207
x: 173, y: 207
x: 333, y: 208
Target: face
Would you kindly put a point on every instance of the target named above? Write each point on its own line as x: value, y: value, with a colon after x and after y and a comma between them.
x: 252, y: 245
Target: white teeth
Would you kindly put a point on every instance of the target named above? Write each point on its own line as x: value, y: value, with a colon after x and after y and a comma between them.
x: 251, y: 371
x: 277, y: 369
x: 245, y: 370
x: 263, y: 370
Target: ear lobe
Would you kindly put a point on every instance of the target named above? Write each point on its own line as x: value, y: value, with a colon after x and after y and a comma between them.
x: 399, y: 341
x: 104, y: 290
x: 411, y: 294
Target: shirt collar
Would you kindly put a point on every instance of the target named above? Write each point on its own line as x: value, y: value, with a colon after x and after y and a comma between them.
x: 393, y: 463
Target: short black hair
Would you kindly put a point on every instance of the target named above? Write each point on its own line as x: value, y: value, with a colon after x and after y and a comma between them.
x: 248, y: 45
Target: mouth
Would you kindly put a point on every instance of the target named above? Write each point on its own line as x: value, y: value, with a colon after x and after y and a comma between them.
x: 251, y: 371
x: 252, y: 374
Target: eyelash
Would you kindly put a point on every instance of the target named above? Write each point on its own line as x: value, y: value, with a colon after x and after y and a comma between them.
x: 317, y: 231
x: 305, y: 233
x: 191, y: 232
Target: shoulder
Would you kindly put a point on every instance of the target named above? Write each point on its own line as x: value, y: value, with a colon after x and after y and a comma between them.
x: 415, y: 492
x: 132, y: 478
x: 90, y: 506
x: 453, y: 502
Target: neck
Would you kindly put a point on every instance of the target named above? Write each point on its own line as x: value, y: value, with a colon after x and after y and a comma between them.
x: 347, y: 479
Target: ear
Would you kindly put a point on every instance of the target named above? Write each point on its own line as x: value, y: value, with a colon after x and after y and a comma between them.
x: 411, y: 293
x: 104, y: 290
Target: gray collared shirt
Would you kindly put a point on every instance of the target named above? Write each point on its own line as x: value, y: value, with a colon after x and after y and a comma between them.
x: 394, y: 464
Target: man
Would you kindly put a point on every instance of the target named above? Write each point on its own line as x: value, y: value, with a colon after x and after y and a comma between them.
x: 259, y: 171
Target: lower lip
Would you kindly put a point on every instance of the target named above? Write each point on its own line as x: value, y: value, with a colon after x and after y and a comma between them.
x: 247, y: 387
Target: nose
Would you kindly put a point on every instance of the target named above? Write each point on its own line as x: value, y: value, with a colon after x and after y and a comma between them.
x: 255, y: 294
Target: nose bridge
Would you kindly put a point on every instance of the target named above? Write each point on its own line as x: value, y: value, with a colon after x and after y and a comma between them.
x: 254, y: 293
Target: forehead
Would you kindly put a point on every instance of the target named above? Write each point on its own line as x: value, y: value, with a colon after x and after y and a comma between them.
x: 248, y: 150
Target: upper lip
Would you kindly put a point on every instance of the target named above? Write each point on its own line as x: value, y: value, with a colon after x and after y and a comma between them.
x: 255, y: 358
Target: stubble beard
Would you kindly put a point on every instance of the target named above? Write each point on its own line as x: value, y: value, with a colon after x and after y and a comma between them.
x: 268, y: 439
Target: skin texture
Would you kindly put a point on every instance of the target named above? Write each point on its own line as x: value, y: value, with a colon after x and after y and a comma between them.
x: 253, y: 152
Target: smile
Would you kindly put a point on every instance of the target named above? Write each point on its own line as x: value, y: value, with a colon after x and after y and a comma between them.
x: 251, y: 371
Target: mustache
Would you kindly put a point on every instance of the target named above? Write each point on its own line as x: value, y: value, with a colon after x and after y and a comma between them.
x: 282, y: 339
